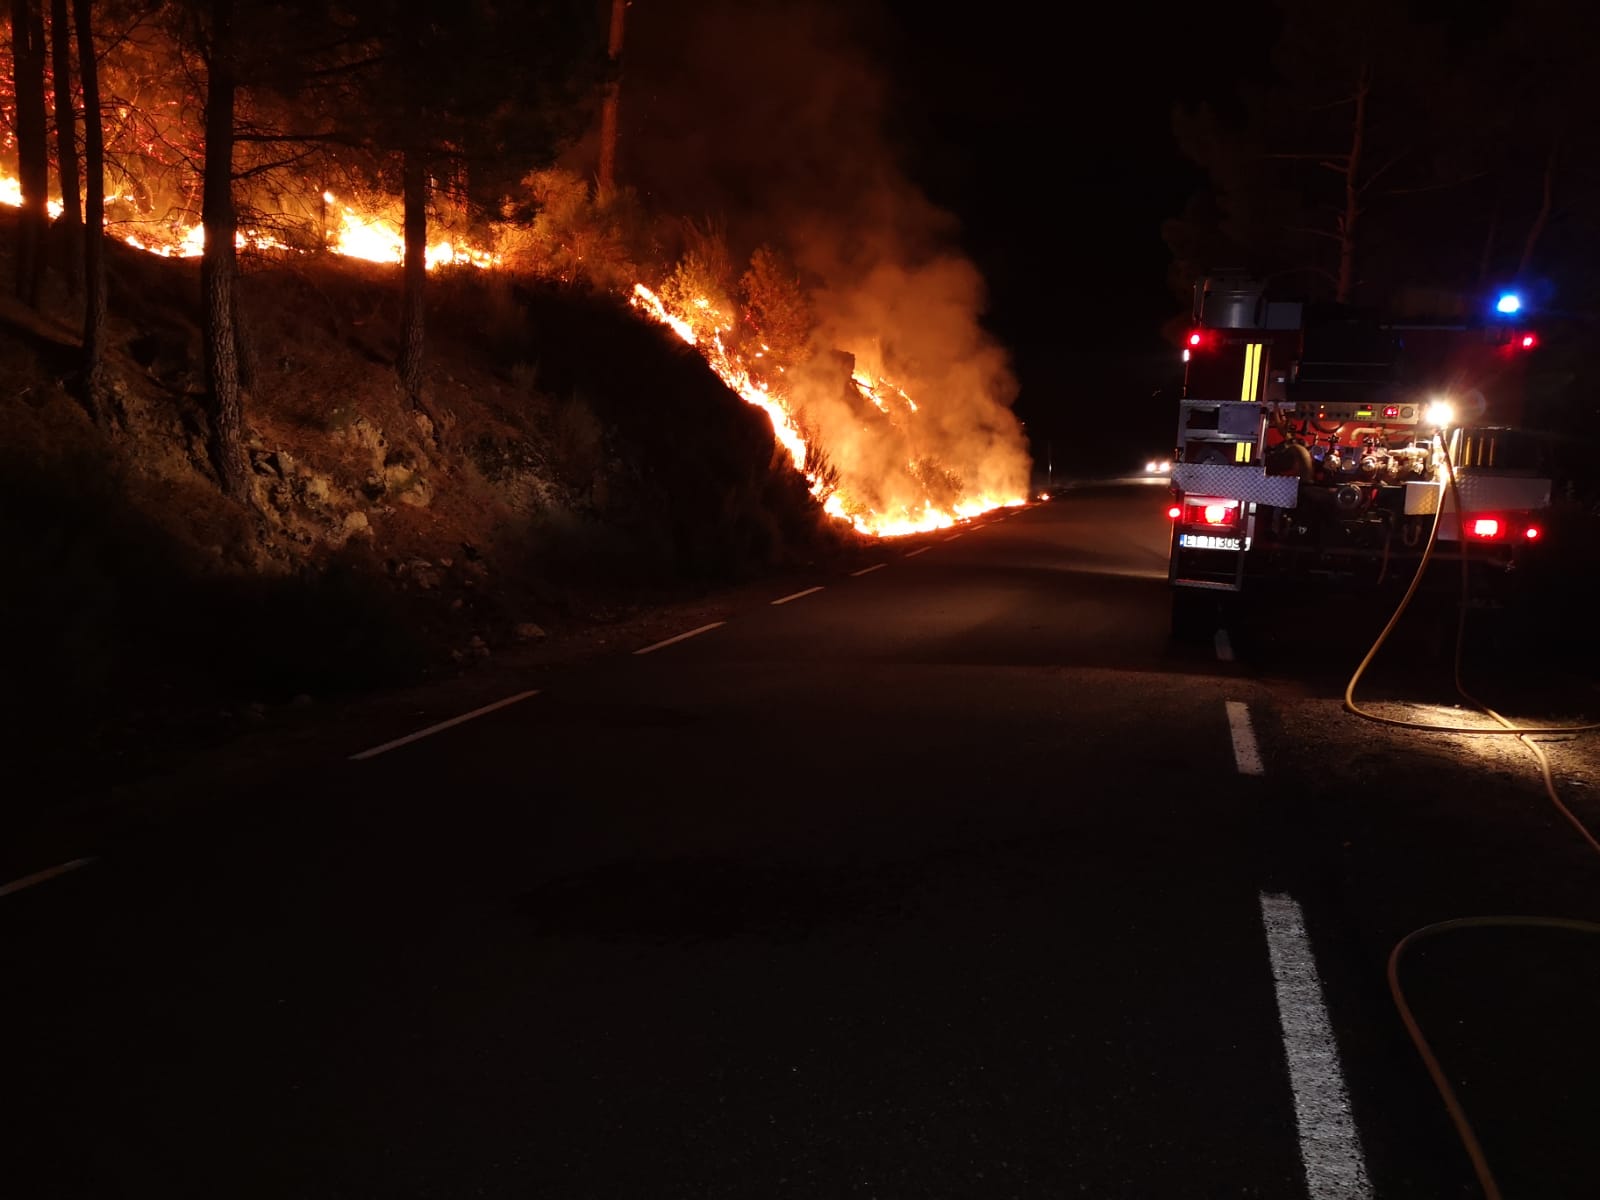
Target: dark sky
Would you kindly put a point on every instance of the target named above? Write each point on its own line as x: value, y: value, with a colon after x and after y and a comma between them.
x: 1036, y: 140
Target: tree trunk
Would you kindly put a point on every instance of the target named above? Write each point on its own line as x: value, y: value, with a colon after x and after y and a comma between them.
x: 92, y: 366
x: 33, y: 148
x: 219, y: 266
x: 71, y: 222
x: 1542, y: 218
x: 1352, y: 193
x: 414, y: 187
x: 613, y: 95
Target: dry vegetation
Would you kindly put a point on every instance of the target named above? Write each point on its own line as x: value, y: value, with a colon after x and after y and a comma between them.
x: 574, y: 462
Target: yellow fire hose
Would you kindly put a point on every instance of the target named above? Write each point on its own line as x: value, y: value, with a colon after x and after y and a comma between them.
x: 1504, y: 728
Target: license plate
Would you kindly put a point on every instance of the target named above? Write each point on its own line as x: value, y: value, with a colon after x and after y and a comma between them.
x: 1207, y: 541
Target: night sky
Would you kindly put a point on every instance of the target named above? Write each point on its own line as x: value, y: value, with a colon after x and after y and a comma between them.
x: 1040, y: 145
x: 1053, y: 143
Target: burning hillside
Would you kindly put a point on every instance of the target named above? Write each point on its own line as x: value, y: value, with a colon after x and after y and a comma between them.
x: 559, y: 458
x: 873, y: 456
x: 853, y: 325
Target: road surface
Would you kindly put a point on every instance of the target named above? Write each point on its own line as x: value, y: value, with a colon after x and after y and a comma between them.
x: 943, y: 873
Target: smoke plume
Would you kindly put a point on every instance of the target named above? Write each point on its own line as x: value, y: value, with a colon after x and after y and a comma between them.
x: 770, y: 121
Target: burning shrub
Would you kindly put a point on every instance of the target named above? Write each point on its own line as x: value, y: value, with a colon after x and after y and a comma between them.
x: 567, y: 232
x: 819, y: 466
x: 778, y: 314
x: 942, y: 487
x: 700, y: 286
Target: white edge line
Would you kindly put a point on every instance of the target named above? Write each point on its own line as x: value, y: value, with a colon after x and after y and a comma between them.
x: 1224, y: 646
x: 1330, y: 1144
x: 917, y: 551
x: 797, y: 595
x: 682, y: 637
x: 27, y: 881
x: 1246, y: 756
x: 868, y: 570
x: 432, y: 729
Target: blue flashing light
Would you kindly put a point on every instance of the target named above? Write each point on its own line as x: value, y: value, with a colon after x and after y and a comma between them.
x: 1508, y: 303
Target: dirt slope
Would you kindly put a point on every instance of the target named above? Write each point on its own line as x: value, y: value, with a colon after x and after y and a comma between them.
x: 575, y: 464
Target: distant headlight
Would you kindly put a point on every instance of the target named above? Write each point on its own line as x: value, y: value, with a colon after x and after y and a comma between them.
x: 1166, y: 467
x: 1151, y: 468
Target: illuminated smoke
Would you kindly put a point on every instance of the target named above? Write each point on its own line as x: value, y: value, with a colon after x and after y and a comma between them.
x: 772, y: 116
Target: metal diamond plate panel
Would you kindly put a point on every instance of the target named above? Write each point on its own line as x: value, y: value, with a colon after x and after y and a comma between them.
x: 1480, y: 493
x: 1237, y: 483
x: 1422, y: 497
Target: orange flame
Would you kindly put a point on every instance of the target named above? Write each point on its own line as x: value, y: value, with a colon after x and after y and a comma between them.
x: 918, y: 519
x: 374, y: 238
x: 735, y: 376
x: 377, y: 237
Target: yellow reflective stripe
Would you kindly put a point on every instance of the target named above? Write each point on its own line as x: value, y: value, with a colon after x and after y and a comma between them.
x: 1249, y: 386
x: 1241, y: 452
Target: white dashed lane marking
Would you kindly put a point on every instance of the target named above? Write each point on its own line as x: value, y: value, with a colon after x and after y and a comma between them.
x: 868, y: 570
x: 27, y: 881
x: 917, y: 551
x: 682, y: 637
x: 1330, y: 1146
x: 442, y: 725
x: 796, y: 595
x: 1245, y: 754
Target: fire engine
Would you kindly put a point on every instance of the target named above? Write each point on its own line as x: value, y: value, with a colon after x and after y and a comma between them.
x: 1324, y: 442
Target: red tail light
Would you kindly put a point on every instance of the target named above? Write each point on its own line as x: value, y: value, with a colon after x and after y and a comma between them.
x: 1174, y: 512
x: 1209, y: 510
x: 1497, y: 527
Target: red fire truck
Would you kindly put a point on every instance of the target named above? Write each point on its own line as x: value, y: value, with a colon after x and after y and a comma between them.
x: 1319, y: 442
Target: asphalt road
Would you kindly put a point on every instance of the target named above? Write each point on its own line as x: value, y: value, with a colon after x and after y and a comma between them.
x: 954, y: 877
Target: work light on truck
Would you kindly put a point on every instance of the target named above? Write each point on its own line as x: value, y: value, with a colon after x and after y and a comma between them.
x: 1440, y: 413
